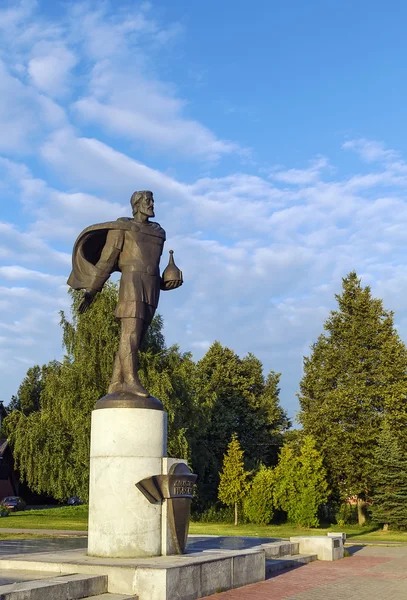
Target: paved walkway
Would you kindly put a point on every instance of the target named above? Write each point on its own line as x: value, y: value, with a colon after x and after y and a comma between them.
x: 370, y: 573
x: 56, y: 544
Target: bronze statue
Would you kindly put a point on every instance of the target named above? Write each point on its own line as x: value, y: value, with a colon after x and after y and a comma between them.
x: 134, y: 247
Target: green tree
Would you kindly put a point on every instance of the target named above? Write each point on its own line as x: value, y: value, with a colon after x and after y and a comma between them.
x: 356, y: 373
x: 27, y: 399
x: 300, y: 485
x: 233, y: 482
x: 169, y: 375
x: 232, y: 395
x: 51, y: 445
x: 389, y: 478
x: 258, y: 504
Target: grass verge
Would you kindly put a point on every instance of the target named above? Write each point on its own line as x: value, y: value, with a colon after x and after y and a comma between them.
x: 76, y: 518
x: 59, y: 517
x: 368, y: 533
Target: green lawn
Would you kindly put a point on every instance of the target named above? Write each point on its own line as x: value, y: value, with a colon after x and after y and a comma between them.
x: 60, y: 517
x: 368, y: 534
x: 75, y: 517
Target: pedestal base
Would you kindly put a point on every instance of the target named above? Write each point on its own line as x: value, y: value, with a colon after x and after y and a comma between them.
x: 186, y: 577
x: 127, y: 445
x: 127, y: 400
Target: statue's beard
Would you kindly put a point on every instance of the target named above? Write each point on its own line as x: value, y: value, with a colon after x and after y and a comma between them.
x: 149, y: 213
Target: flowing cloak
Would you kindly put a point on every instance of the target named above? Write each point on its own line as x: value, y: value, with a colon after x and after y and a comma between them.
x: 140, y: 281
x: 86, y: 254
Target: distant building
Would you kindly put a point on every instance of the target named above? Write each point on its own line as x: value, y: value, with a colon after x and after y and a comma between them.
x: 8, y: 477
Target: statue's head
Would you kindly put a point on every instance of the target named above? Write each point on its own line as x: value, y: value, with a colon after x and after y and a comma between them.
x: 142, y: 203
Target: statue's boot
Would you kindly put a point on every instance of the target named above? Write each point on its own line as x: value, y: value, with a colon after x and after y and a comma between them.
x: 135, y: 387
x: 116, y: 383
x: 115, y: 387
x: 132, y: 384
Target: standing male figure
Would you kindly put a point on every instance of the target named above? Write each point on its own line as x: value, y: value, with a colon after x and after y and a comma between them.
x: 134, y: 247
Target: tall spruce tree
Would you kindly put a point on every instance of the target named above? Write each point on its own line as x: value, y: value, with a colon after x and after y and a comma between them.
x: 356, y: 373
x: 233, y: 483
x: 389, y: 478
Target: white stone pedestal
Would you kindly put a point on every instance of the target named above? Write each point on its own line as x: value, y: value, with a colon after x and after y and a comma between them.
x: 127, y: 445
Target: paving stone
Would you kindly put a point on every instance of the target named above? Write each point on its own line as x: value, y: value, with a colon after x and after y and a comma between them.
x: 370, y: 573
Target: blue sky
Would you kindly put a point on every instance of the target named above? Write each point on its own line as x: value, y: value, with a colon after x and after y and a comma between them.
x: 270, y: 132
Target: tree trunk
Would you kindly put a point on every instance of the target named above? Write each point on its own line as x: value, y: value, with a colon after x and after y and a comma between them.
x: 236, y: 519
x: 361, y: 511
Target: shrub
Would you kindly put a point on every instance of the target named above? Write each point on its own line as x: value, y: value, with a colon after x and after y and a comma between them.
x: 346, y: 514
x: 216, y: 514
x: 258, y: 506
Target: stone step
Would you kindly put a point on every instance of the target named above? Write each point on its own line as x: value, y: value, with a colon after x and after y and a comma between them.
x: 278, y: 549
x: 275, y: 565
x: 111, y: 597
x: 63, y: 587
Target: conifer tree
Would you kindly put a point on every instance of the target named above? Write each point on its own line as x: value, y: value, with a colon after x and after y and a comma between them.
x: 389, y: 478
x: 258, y: 504
x: 232, y: 395
x: 233, y: 483
x: 300, y: 485
x: 356, y: 373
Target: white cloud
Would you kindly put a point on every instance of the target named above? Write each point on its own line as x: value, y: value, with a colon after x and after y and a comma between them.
x: 97, y: 166
x: 162, y: 132
x: 18, y: 273
x: 50, y: 67
x: 302, y: 176
x: 125, y: 97
x: 261, y: 262
x: 24, y: 114
x: 115, y: 84
x: 370, y: 150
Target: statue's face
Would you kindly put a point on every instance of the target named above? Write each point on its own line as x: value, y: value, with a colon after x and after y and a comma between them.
x: 145, y: 206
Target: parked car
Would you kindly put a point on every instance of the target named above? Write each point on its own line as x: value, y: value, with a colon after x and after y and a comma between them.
x: 74, y: 501
x: 13, y: 503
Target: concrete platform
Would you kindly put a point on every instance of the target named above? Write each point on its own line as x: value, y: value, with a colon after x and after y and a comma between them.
x: 68, y: 587
x: 185, y: 577
x: 13, y: 576
x: 212, y: 564
x: 290, y: 561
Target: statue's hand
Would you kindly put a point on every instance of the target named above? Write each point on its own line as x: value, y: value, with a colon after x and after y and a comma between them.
x: 87, y: 299
x: 171, y: 285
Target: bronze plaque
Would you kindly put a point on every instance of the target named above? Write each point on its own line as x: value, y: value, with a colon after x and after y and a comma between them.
x: 177, y: 488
